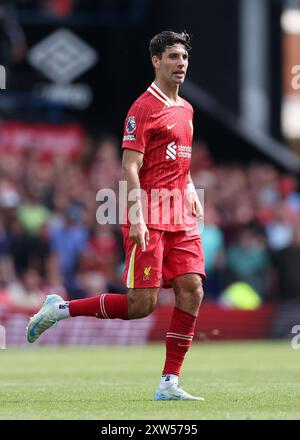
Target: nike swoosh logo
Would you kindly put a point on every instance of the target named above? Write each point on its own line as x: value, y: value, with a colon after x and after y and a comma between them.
x: 182, y: 345
x: 171, y: 126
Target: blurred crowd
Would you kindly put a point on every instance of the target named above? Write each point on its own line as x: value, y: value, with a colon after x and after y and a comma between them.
x: 50, y: 240
x: 252, y: 227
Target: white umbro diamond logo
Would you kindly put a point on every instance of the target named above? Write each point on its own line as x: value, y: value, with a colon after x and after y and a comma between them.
x: 171, y: 151
x: 62, y: 56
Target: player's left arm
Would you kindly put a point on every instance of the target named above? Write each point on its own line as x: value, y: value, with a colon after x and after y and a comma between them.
x: 197, y: 209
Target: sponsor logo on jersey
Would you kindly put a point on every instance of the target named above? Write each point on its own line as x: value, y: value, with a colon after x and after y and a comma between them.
x: 184, y: 151
x: 129, y: 137
x: 147, y: 273
x: 131, y: 125
x: 173, y: 151
x: 169, y: 127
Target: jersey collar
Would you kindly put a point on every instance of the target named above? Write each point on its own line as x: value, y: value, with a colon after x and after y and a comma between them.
x: 155, y: 91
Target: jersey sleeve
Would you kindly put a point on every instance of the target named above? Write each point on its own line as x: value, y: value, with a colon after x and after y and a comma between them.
x: 136, y: 128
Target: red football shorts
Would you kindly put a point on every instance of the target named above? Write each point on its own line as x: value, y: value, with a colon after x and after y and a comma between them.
x: 168, y: 255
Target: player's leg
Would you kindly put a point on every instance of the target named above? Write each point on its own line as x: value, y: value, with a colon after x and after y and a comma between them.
x: 142, y: 277
x: 141, y: 302
x: 188, y: 293
x: 188, y: 296
x: 185, y: 256
x: 138, y: 303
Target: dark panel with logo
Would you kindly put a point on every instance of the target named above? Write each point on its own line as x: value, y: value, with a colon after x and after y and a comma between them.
x: 118, y: 34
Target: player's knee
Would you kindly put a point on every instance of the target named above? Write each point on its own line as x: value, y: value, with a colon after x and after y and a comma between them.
x: 195, y: 296
x: 147, y: 310
x: 192, y: 296
x: 198, y: 294
x: 198, y: 291
x: 140, y: 308
x: 140, y: 312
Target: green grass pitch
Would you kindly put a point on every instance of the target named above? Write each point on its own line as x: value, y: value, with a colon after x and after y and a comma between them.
x: 248, y: 380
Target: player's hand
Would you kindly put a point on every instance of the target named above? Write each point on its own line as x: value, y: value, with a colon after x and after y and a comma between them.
x: 139, y: 233
x: 197, y: 209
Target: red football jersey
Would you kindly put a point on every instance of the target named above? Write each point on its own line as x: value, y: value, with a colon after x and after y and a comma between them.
x: 163, y: 132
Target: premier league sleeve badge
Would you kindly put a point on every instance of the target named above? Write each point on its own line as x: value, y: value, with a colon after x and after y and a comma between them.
x: 131, y: 125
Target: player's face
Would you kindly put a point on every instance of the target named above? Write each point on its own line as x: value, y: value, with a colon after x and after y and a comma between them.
x: 172, y: 65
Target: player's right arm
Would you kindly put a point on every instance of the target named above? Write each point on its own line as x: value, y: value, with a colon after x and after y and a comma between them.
x: 135, y: 140
x: 131, y: 164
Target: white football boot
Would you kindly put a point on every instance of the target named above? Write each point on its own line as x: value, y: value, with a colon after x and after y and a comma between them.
x: 43, y: 319
x: 174, y: 392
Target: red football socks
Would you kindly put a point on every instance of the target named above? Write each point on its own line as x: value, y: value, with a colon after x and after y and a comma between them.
x: 179, y: 340
x: 106, y: 306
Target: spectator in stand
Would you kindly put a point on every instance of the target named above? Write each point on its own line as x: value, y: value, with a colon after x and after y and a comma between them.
x: 7, y: 269
x: 280, y: 229
x: 31, y: 250
x: 32, y: 214
x: 106, y: 170
x: 287, y: 187
x: 202, y: 160
x: 287, y: 263
x: 27, y: 292
x: 68, y: 240
x: 248, y: 260
x: 23, y: 246
x: 101, y: 253
x: 213, y: 245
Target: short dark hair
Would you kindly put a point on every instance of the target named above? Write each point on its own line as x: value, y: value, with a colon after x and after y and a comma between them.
x: 160, y: 41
